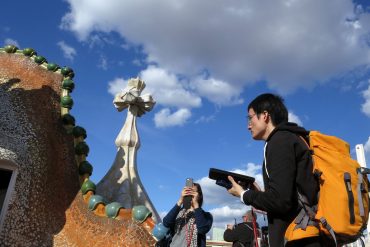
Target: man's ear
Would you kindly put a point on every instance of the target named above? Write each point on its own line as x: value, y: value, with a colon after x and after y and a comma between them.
x: 266, y: 116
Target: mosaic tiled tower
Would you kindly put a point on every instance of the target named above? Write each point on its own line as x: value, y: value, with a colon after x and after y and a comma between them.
x: 50, y: 200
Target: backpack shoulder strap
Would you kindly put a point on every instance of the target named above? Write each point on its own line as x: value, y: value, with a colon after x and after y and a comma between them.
x: 248, y: 226
x: 240, y: 244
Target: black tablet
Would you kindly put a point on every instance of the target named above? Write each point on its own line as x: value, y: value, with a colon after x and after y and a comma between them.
x: 221, y: 178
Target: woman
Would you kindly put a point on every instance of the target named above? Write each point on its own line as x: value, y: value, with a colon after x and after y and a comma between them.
x: 189, y: 226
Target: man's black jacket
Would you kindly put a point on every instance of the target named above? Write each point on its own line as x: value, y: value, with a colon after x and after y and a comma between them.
x: 287, y: 168
x: 242, y: 232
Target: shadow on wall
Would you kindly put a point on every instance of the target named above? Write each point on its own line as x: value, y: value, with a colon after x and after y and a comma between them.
x: 47, y: 181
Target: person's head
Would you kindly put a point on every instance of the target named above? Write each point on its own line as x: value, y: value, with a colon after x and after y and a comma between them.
x: 265, y: 112
x: 249, y: 215
x: 200, y: 194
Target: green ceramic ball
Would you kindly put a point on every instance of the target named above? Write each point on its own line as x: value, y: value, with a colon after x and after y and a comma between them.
x: 68, y: 84
x: 68, y: 119
x: 87, y: 186
x: 52, y: 67
x: 40, y: 60
x: 66, y: 101
x: 81, y: 148
x: 29, y: 52
x: 94, y: 201
x: 85, y: 168
x: 112, y: 209
x: 78, y: 131
x: 10, y: 48
x: 140, y: 213
x: 67, y: 72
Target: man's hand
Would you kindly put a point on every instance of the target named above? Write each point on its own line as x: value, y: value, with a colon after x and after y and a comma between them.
x: 237, y: 189
x: 255, y: 187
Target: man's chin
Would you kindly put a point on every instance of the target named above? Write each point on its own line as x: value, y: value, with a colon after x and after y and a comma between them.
x: 255, y: 137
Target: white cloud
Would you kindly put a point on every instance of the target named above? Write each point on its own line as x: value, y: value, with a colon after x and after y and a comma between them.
x: 214, y: 194
x: 216, y: 91
x: 137, y: 62
x: 294, y: 118
x: 116, y: 86
x: 9, y: 41
x: 227, y: 215
x: 225, y: 206
x: 168, y: 90
x: 165, y: 89
x: 171, y: 92
x: 252, y: 170
x: 164, y: 118
x: 103, y: 63
x: 68, y: 51
x: 205, y: 119
x: 288, y: 44
x: 367, y: 152
x: 366, y: 106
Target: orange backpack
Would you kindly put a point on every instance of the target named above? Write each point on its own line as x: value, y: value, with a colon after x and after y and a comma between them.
x: 343, y: 202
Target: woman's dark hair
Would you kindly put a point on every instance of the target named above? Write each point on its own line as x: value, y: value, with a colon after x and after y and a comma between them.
x: 273, y: 104
x: 200, y: 194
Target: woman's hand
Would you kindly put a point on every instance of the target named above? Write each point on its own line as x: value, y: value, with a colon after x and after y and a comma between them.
x: 194, y: 200
x: 185, y: 192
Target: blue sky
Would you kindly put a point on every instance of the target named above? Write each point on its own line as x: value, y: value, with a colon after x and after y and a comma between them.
x: 203, y: 62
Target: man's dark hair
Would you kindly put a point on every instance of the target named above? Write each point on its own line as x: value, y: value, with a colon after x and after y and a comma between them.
x: 273, y: 104
x: 200, y: 194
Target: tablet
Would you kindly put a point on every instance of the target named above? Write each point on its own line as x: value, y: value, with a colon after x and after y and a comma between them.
x: 221, y: 178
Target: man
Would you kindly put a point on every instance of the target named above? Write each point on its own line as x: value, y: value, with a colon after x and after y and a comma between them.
x: 241, y: 235
x: 287, y: 169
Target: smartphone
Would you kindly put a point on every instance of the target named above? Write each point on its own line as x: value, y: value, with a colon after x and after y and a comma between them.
x: 189, y: 182
x: 187, y: 199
